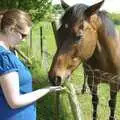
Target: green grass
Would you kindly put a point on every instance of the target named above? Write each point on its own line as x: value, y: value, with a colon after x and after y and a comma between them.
x: 118, y: 27
x: 45, y: 106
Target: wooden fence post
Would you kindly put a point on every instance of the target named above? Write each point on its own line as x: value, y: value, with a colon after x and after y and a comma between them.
x: 43, y: 50
x: 30, y: 42
x: 74, y: 103
x: 41, y: 41
x: 54, y: 30
x: 56, y: 106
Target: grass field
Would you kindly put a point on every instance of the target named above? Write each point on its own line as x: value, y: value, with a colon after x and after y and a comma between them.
x: 45, y: 106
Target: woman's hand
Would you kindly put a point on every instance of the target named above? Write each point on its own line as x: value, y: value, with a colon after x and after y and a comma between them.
x: 55, y: 88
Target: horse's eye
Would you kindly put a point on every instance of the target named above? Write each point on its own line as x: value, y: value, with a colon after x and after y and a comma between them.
x: 66, y: 26
x: 77, y: 38
x: 81, y: 26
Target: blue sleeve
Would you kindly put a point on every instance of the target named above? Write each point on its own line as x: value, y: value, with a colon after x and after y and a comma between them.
x: 7, y: 63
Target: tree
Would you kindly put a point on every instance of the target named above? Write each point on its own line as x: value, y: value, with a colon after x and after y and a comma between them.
x: 37, y: 8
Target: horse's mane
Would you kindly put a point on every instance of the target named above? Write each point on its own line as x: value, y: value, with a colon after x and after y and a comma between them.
x: 107, y: 23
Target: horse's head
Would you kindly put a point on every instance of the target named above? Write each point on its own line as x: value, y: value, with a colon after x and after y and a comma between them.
x: 76, y: 40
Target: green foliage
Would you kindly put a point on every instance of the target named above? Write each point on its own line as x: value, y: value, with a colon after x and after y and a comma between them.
x: 37, y: 8
x: 115, y: 17
x: 57, y: 9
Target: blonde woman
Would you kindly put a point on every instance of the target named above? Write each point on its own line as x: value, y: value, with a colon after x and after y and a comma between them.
x: 17, y: 100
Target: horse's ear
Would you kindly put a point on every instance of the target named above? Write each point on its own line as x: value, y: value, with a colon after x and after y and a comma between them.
x: 64, y: 5
x: 92, y: 9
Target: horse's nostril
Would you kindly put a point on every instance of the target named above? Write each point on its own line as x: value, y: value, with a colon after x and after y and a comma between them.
x: 51, y: 79
x: 58, y: 80
x: 55, y: 80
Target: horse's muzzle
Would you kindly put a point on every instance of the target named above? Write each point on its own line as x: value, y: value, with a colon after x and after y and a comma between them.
x: 55, y: 80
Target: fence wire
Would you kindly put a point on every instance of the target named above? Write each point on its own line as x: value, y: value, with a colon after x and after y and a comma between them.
x: 86, y: 99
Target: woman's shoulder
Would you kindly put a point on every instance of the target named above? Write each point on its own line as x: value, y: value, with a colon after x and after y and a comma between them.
x: 7, y: 61
x: 4, y: 50
x: 6, y: 54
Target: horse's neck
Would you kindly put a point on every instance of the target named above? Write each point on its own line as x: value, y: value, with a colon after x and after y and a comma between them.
x: 109, y: 39
x: 108, y: 45
x: 107, y: 53
x: 108, y: 35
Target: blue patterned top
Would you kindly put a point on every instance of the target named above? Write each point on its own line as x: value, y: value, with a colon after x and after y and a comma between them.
x: 8, y: 63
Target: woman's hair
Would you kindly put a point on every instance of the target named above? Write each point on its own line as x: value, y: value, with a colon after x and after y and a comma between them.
x: 14, y: 18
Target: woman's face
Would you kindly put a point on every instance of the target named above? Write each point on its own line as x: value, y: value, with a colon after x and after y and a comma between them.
x: 16, y: 36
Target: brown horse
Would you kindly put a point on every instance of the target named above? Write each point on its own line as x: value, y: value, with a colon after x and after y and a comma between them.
x: 88, y: 35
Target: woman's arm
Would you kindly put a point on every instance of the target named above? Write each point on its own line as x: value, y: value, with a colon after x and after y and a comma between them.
x: 10, y: 86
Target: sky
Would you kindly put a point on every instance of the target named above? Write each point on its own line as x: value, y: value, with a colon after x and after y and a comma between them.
x: 109, y: 5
